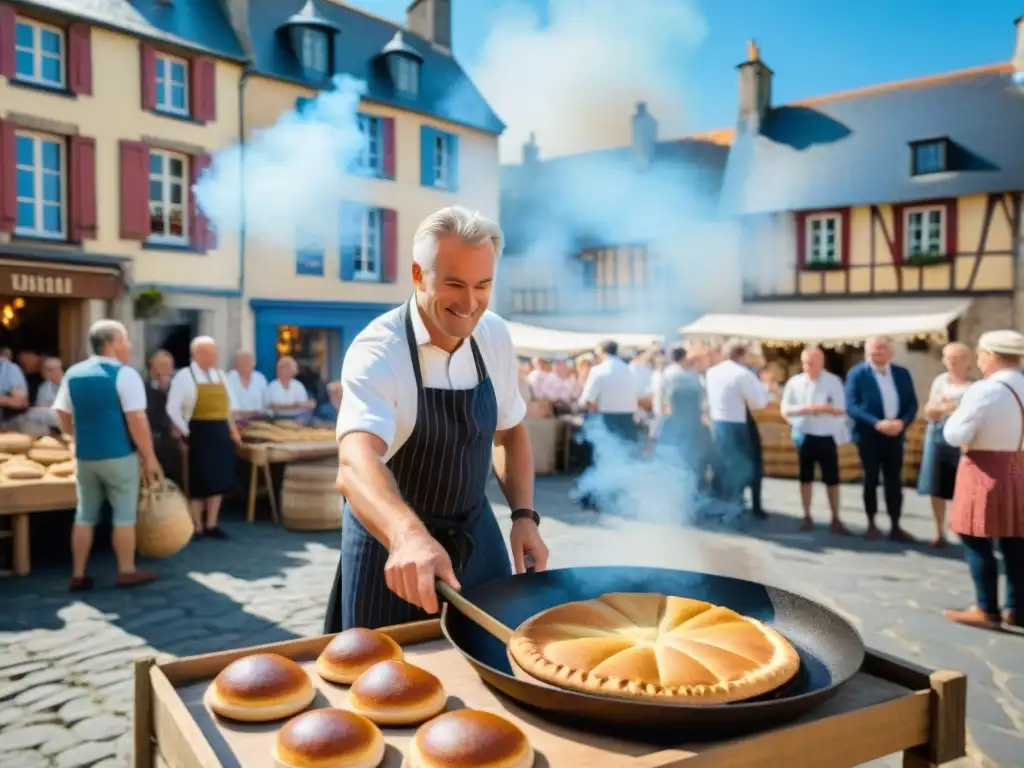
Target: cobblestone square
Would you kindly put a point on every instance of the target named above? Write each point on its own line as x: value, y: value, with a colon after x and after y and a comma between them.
x: 66, y: 692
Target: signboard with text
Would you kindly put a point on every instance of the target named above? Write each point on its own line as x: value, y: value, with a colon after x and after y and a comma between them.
x: 56, y: 283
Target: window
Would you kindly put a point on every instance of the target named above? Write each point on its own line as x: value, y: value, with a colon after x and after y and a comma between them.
x: 371, y: 157
x: 167, y: 197
x: 926, y: 232
x: 39, y: 54
x: 40, y: 185
x: 367, y: 251
x: 313, y: 53
x: 407, y: 75
x: 823, y: 240
x: 171, y: 85
x: 440, y: 161
x: 928, y: 157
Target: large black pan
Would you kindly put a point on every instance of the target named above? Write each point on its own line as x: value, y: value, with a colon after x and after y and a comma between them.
x: 831, y: 651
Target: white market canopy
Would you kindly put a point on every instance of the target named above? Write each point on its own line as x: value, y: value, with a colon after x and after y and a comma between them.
x: 846, y: 322
x: 532, y: 341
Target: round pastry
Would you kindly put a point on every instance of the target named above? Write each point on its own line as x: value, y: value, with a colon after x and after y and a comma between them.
x: 470, y: 738
x: 329, y: 738
x: 260, y: 688
x: 641, y: 646
x: 397, y: 693
x: 48, y: 442
x: 354, y: 651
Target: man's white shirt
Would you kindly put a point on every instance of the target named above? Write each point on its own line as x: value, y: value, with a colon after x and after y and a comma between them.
x: 182, y: 394
x: 731, y: 389
x: 131, y: 390
x: 887, y: 386
x: 379, y: 382
x: 252, y: 398
x: 612, y: 386
x: 988, y: 417
x: 801, y: 391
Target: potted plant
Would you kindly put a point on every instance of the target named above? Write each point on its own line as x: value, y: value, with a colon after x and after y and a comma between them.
x: 925, y: 259
x: 148, y: 303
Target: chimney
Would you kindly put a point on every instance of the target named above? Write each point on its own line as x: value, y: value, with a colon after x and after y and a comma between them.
x: 755, y: 89
x: 645, y: 135
x: 1018, y: 49
x: 531, y: 152
x: 431, y: 20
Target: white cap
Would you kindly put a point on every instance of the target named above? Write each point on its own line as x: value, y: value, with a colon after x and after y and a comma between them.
x: 1003, y: 343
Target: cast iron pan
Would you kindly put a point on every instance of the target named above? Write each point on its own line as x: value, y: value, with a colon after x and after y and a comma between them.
x: 831, y: 651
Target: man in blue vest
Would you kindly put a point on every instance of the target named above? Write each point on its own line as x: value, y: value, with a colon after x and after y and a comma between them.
x: 102, y: 402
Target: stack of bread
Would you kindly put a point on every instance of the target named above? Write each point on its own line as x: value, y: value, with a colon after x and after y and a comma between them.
x: 24, y: 458
x: 384, y: 691
x: 284, y: 432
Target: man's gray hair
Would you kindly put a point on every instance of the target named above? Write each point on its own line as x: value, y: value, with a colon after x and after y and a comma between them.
x: 734, y: 349
x: 104, y: 332
x: 201, y: 341
x: 470, y: 227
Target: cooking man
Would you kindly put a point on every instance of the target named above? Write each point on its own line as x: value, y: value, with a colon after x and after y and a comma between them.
x: 200, y: 405
x: 248, y: 386
x: 988, y: 502
x: 430, y: 398
x: 102, y: 402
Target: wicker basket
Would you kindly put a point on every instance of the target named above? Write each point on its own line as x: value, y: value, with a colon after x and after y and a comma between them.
x: 165, y: 524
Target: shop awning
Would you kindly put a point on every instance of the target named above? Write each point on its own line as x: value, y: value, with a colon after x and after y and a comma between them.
x: 532, y: 341
x: 845, y: 322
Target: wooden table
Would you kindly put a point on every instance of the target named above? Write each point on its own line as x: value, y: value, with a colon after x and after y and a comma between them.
x: 21, y: 498
x: 889, y: 707
x: 261, y: 455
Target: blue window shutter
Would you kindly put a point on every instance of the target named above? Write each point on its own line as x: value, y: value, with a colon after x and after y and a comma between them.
x: 427, y: 155
x: 452, y: 182
x: 349, y: 234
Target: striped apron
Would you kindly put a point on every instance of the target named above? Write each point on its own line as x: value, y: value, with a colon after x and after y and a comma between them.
x: 441, y: 472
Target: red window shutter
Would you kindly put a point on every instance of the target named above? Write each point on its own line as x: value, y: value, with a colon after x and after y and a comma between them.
x: 845, y: 224
x: 7, y: 27
x: 147, y: 55
x: 82, y: 185
x: 80, y: 59
x: 199, y: 226
x: 898, y: 235
x: 8, y: 178
x: 203, y: 87
x: 800, y: 219
x: 134, y: 190
x: 387, y: 128
x: 951, y: 244
x: 389, y: 238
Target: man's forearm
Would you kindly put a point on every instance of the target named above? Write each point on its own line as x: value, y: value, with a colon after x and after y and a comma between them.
x: 372, y: 492
x: 513, y: 466
x: 67, y: 423
x: 138, y: 427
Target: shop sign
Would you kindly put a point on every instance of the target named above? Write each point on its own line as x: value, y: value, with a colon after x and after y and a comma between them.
x: 57, y: 283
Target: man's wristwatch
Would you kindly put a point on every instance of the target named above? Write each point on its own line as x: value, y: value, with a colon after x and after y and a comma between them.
x: 529, y: 514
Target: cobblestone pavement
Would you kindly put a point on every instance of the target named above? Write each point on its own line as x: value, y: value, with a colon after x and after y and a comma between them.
x: 66, y: 693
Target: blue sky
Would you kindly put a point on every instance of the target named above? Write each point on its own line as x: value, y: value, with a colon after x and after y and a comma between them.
x: 814, y: 46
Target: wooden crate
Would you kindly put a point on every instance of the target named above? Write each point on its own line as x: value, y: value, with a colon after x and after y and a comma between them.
x: 888, y: 707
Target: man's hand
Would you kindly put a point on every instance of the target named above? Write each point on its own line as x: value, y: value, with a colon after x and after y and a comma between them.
x: 526, y: 540
x: 889, y: 427
x: 417, y: 559
x: 235, y: 436
x: 152, y: 472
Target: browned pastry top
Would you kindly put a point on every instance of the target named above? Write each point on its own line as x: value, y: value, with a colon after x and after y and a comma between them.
x: 260, y: 678
x: 395, y: 683
x: 466, y: 738
x: 325, y: 733
x: 358, y: 647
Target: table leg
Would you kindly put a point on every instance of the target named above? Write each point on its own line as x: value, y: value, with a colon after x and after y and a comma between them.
x: 250, y: 512
x: 947, y: 739
x: 20, y: 545
x: 268, y: 478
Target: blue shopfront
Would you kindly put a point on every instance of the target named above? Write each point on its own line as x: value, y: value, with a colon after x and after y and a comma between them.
x: 315, y: 333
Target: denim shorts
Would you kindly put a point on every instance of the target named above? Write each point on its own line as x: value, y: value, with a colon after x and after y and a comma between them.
x: 113, y: 480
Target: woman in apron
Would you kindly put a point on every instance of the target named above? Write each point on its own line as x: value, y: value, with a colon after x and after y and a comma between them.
x: 450, y: 443
x: 937, y: 476
x: 211, y: 454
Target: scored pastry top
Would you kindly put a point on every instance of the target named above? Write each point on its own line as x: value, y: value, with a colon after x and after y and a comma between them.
x: 640, y: 645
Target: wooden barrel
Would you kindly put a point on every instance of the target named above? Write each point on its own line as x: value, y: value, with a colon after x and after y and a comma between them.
x: 309, y: 497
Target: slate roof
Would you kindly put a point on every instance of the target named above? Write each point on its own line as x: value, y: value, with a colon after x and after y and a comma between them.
x: 445, y: 92
x: 853, y: 149
x: 194, y: 24
x: 570, y: 200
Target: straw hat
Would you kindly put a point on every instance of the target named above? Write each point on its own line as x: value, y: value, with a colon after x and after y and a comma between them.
x: 1003, y: 343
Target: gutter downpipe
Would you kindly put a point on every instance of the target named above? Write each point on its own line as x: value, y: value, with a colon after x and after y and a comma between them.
x: 242, y: 81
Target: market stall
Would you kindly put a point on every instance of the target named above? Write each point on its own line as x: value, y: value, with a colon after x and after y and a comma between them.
x: 533, y: 341
x: 37, y: 474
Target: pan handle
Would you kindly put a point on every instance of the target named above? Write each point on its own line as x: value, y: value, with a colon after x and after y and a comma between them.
x: 473, y: 612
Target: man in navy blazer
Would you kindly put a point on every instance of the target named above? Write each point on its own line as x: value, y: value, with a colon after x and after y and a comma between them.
x: 881, y: 401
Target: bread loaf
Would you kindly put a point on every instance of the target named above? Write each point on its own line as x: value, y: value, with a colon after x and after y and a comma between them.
x: 48, y: 442
x: 15, y: 442
x: 22, y: 469
x: 61, y: 469
x: 47, y: 456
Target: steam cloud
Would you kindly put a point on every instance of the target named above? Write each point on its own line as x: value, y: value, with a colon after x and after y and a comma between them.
x: 287, y: 183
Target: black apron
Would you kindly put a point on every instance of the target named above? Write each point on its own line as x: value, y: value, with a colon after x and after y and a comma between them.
x: 165, y: 446
x: 441, y: 472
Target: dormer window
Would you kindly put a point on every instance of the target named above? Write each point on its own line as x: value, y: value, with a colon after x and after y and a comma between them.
x: 311, y: 38
x: 403, y: 63
x: 929, y: 156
